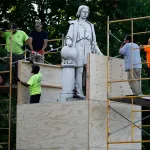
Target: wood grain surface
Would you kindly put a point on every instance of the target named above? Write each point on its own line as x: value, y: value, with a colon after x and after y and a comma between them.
x: 51, y: 82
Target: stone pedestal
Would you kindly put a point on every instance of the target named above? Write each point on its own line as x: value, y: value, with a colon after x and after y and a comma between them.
x: 68, y: 55
x: 68, y: 80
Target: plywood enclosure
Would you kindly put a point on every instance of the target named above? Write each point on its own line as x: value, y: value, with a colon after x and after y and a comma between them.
x: 51, y: 82
x: 80, y: 125
x: 72, y: 126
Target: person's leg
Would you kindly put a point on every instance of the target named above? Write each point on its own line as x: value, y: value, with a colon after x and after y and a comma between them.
x: 7, y: 79
x: 137, y: 75
x: 41, y: 59
x: 149, y: 76
x: 7, y: 68
x: 35, y: 98
x: 32, y: 57
x: 16, y: 58
x: 135, y: 85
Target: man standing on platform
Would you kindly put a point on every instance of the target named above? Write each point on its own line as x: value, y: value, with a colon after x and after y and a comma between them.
x: 38, y: 42
x: 133, y: 66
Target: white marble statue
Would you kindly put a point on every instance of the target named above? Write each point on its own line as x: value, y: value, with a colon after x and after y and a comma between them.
x: 81, y: 36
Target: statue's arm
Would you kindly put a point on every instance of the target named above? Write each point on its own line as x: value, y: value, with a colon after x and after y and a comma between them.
x: 95, y: 48
x: 69, y: 36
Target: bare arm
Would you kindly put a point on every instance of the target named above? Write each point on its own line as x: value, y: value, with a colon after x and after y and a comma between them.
x: 24, y: 83
x: 44, y: 45
x: 27, y: 41
x: 30, y: 43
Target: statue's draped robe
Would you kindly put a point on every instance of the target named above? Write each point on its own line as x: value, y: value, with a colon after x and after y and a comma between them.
x: 83, y: 38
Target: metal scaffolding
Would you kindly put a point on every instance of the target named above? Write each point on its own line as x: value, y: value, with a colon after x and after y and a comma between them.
x: 8, y: 128
x: 133, y: 100
x: 9, y: 87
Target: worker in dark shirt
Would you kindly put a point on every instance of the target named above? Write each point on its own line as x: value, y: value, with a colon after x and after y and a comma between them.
x: 38, y: 42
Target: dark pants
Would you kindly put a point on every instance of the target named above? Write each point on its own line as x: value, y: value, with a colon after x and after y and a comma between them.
x: 15, y: 59
x: 35, y: 98
x: 149, y: 76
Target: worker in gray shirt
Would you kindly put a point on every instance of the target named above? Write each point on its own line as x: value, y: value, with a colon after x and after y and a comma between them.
x: 133, y: 66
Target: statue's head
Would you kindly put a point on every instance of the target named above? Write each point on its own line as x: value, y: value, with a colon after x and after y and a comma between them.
x: 83, y: 9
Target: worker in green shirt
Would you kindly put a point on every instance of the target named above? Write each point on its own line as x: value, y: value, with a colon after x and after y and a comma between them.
x: 34, y: 84
x: 19, y: 39
x: 15, y: 40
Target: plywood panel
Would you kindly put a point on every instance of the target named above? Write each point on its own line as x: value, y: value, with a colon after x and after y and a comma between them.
x: 65, y: 126
x: 104, y: 148
x: 51, y: 82
x: 98, y: 125
x: 66, y: 148
x: 98, y: 96
x: 98, y: 78
x: 52, y: 125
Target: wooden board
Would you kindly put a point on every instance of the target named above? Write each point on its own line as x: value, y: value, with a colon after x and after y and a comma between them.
x: 52, y: 126
x: 64, y: 126
x: 51, y: 82
x: 97, y: 124
x: 141, y: 101
x: 98, y: 78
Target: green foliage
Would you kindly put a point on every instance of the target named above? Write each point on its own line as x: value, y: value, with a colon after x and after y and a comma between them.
x: 4, y: 123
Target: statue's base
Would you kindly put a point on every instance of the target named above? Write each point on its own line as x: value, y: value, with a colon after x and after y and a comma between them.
x: 74, y: 99
x: 65, y: 96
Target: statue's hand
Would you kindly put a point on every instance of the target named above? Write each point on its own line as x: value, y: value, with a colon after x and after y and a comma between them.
x: 69, y: 43
x: 96, y: 50
x: 93, y: 48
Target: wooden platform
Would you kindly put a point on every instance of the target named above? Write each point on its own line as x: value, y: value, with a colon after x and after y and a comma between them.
x: 141, y: 101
